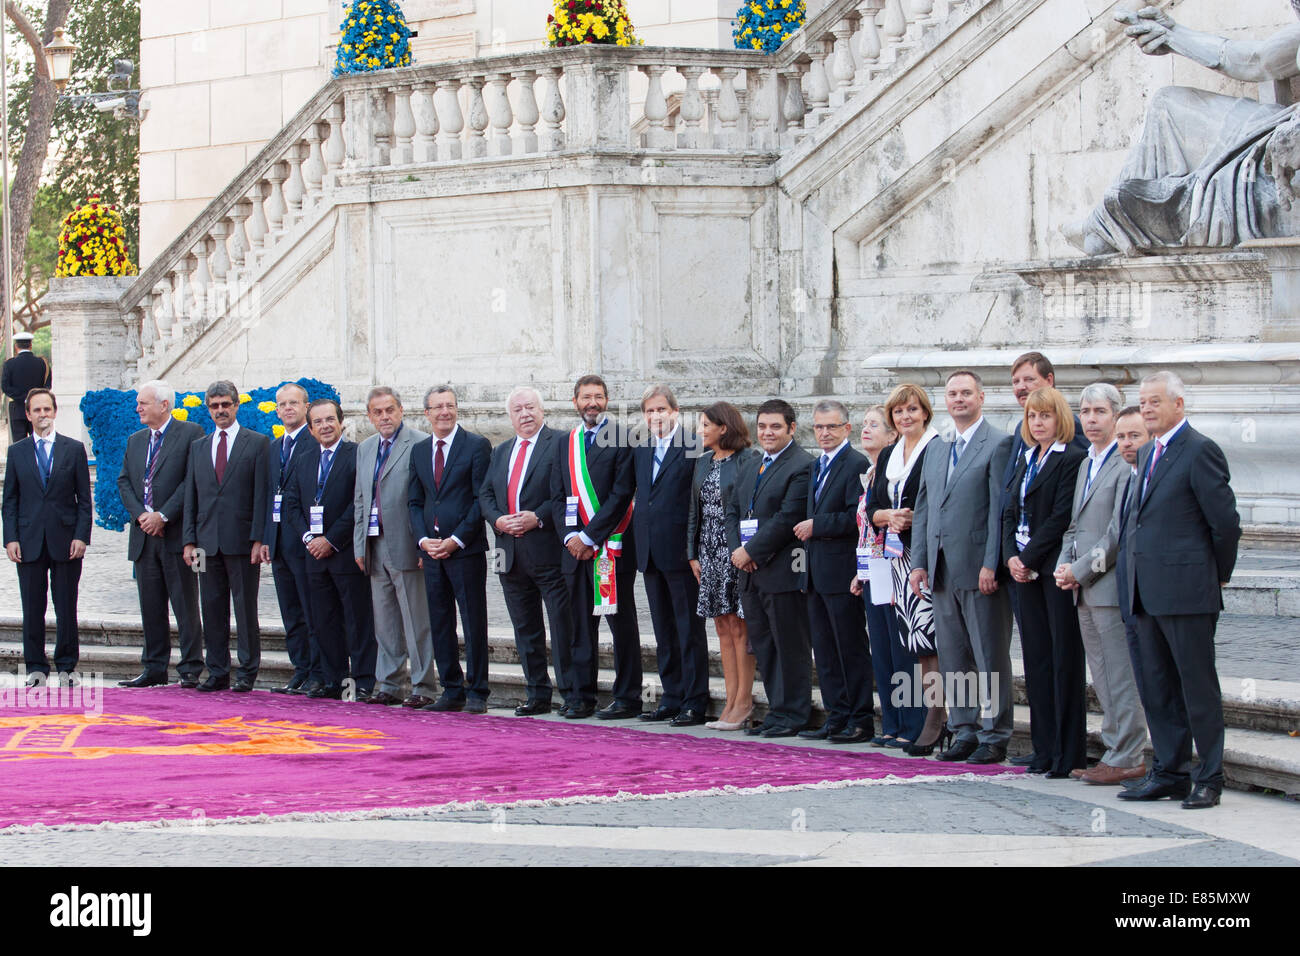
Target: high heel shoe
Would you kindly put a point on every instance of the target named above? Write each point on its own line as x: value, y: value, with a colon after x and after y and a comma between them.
x: 731, y: 724
x: 942, y: 740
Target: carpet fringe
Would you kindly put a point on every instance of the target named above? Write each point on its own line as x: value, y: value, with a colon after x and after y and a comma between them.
x: 381, y: 813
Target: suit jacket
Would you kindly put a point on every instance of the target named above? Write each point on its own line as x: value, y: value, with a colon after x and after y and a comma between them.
x: 337, y: 498
x: 1091, y: 542
x: 172, y: 464
x: 226, y: 517
x: 961, y: 515
x: 911, y: 488
x: 726, y: 479
x: 277, y: 480
x: 662, y: 511
x: 1047, y: 509
x: 832, y: 549
x: 455, y: 503
x: 780, y: 503
x: 1018, y: 449
x: 394, y: 488
x: 56, y: 514
x: 22, y: 373
x: 609, y: 465
x: 1181, y: 537
x: 539, y: 544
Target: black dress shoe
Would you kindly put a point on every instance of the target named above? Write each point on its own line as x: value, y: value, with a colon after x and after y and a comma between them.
x: 618, y: 710
x: 445, y: 705
x: 564, y: 709
x: 985, y: 753
x: 306, y: 689
x: 326, y: 692
x: 1037, y: 770
x: 688, y: 718
x: 1154, y: 790
x: 757, y: 730
x: 241, y: 686
x: 363, y: 695
x: 1137, y: 782
x: 821, y: 733
x: 778, y: 731
x: 189, y: 681
x: 1202, y: 797
x: 961, y: 750
x: 660, y: 713
x: 532, y: 708
x: 1059, y: 775
x: 475, y: 705
x: 144, y: 680
x: 290, y: 688
x: 851, y: 735
x: 211, y: 685
x: 1024, y: 760
x: 579, y: 711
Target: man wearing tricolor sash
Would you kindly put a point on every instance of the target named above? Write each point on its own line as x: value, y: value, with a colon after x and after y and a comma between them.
x: 592, y: 485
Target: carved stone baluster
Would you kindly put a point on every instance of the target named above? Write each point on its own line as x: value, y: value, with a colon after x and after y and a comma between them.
x: 497, y: 103
x: 294, y: 188
x: 843, y: 69
x: 256, y: 228
x: 478, y: 119
x: 334, y: 151
x: 200, y: 282
x: 792, y: 104
x: 382, y: 129
x: 424, y: 149
x: 526, y: 112
x: 274, y: 206
x: 163, y: 316
x: 656, y: 108
x: 313, y: 169
x: 819, y: 91
x: 552, y: 138
x: 403, y: 126
x: 895, y: 28
x: 760, y: 107
x: 691, y: 111
x: 923, y: 12
x: 728, y: 110
x: 450, y: 118
x: 868, y: 36
x: 178, y: 303
x: 239, y: 244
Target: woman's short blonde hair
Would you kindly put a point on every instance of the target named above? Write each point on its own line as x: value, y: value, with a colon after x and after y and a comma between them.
x: 1048, y: 399
x: 901, y: 395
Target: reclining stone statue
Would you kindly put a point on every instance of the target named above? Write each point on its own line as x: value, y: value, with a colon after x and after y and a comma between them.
x: 1208, y: 170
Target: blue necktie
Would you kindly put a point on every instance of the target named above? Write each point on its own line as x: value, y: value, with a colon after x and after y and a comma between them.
x: 825, y: 466
x: 150, y: 462
x: 43, y: 462
x: 659, y: 461
x: 325, y: 458
x: 286, y: 451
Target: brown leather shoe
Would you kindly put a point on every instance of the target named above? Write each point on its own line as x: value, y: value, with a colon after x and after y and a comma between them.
x: 383, y: 697
x: 417, y: 701
x: 1104, y: 775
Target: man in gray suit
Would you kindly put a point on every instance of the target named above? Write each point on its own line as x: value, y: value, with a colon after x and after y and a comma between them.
x: 1087, y: 567
x: 956, y: 533
x: 225, y: 502
x: 152, y: 487
x: 386, y: 553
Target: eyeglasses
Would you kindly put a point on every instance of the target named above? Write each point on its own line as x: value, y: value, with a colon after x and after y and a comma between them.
x: 830, y: 428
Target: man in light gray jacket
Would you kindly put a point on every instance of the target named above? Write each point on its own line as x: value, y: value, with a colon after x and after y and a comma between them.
x: 386, y: 552
x: 956, y: 533
x: 1087, y: 567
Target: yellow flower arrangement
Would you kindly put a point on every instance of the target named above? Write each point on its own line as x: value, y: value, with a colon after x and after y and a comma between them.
x: 277, y: 431
x: 265, y: 407
x: 191, y: 401
x: 181, y: 414
x: 92, y: 242
x: 590, y: 21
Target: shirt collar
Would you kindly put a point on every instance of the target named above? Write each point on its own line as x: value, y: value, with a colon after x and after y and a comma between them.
x: 332, y: 448
x: 836, y: 450
x: 1093, y: 454
x: 231, y: 431
x: 161, y: 429
x: 777, y: 454
x: 1168, y: 436
x: 451, y: 436
x: 1029, y: 452
x: 969, y: 433
x: 296, y: 432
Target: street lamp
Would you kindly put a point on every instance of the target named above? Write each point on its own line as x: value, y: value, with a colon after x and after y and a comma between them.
x: 58, y: 53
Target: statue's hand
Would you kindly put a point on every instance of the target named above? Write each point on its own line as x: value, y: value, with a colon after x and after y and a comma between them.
x: 1282, y: 159
x: 1150, y: 28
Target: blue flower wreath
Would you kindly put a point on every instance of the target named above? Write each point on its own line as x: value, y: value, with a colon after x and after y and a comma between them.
x: 766, y: 24
x: 374, y: 37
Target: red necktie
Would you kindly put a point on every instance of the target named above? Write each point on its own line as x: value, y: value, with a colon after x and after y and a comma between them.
x: 512, y: 490
x: 438, y: 464
x: 221, y: 458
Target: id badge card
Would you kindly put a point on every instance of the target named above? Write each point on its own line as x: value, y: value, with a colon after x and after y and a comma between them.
x: 893, y: 545
x: 317, y: 515
x: 372, y: 530
x: 748, y: 528
x: 571, y: 511
x: 1022, y: 536
x: 275, y: 508
x: 864, y: 568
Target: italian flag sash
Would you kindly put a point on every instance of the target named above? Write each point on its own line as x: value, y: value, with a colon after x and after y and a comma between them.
x: 605, y: 592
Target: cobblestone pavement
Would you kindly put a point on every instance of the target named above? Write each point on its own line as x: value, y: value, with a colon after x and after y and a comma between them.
x: 1262, y: 647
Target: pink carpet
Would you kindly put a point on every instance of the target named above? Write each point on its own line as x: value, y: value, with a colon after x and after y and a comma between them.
x: 169, y: 754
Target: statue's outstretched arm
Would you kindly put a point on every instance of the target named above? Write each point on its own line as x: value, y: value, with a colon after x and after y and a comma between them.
x: 1248, y: 60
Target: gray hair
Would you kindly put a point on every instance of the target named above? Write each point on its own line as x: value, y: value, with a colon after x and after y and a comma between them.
x: 664, y: 392
x: 305, y: 397
x: 162, y: 393
x: 222, y: 387
x: 382, y: 391
x: 1103, y: 392
x: 1173, y: 385
x: 831, y: 405
x: 438, y: 390
x: 520, y: 390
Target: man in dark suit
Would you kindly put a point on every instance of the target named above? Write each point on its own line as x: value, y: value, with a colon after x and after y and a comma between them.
x: 664, y: 471
x: 22, y: 373
x: 837, y: 619
x: 225, y: 501
x: 319, y: 510
x: 151, y: 485
x: 284, y: 552
x: 446, y: 471
x: 47, y: 515
x: 515, y: 499
x: 771, y: 497
x: 592, y: 486
x: 1181, y: 535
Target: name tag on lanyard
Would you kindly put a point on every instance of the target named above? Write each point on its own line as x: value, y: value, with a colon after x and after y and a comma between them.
x: 748, y: 528
x: 372, y: 530
x: 571, y: 511
x: 276, y: 502
x: 317, y: 515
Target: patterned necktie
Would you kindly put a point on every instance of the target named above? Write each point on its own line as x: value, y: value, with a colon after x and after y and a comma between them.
x: 823, y: 466
x: 659, y: 460
x: 439, y: 463
x: 151, y: 466
x: 1151, y: 468
x: 516, y: 473
x: 43, y: 460
x: 590, y: 436
x: 221, y: 458
x: 385, y: 447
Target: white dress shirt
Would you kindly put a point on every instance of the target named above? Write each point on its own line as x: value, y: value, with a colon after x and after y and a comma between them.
x: 446, y: 451
x: 231, y: 432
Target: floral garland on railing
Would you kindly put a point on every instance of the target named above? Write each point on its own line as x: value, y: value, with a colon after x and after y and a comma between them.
x: 766, y: 24
x: 374, y: 37
x: 575, y: 22
x: 92, y: 242
x: 110, y: 418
